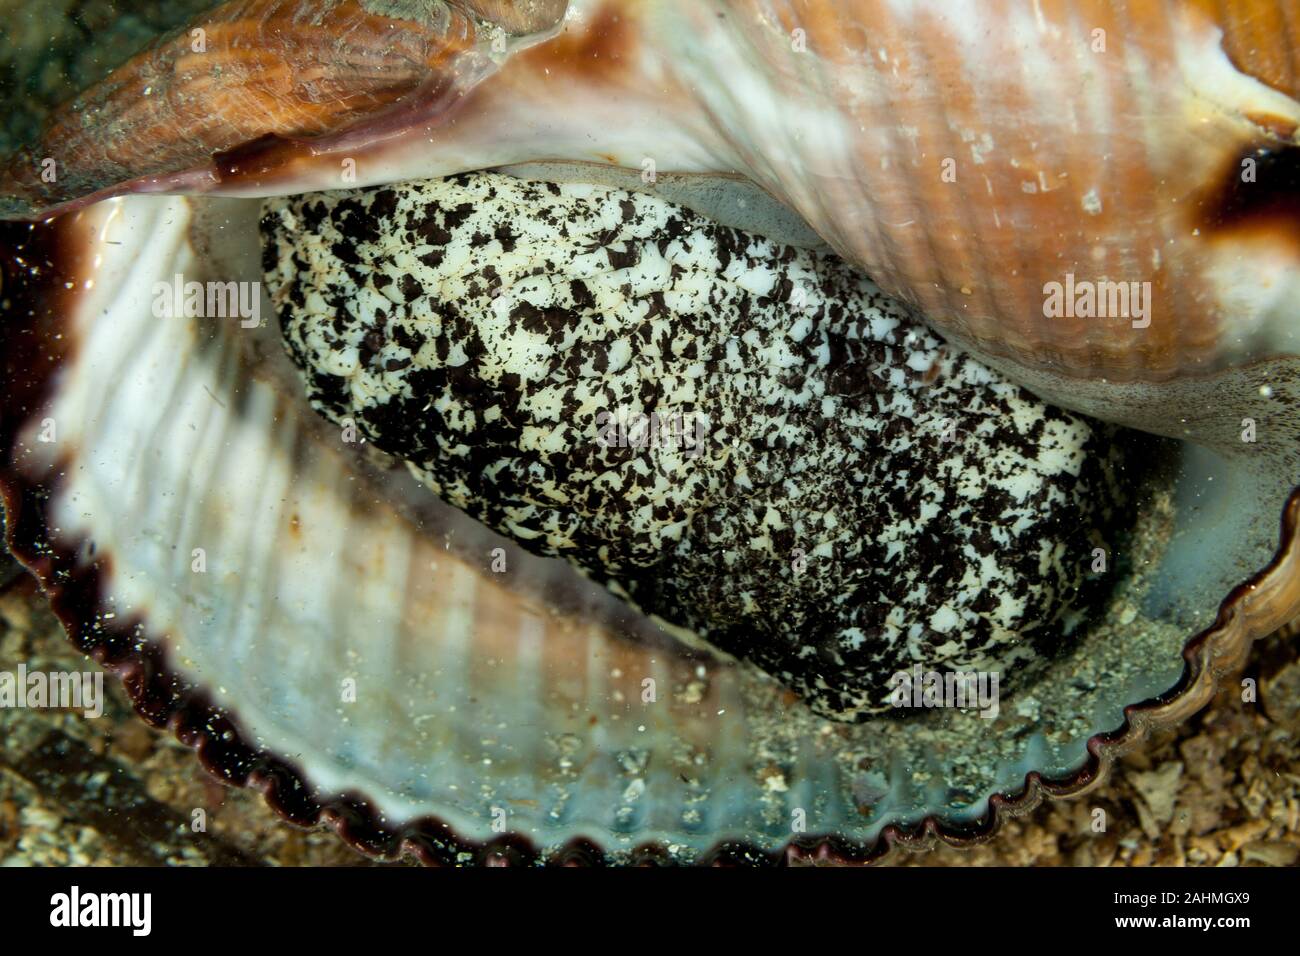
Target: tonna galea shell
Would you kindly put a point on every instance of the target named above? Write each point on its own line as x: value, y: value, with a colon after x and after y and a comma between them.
x: 966, y: 156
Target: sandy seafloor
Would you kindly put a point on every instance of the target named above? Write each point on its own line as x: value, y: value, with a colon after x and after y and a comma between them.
x: 1223, y: 790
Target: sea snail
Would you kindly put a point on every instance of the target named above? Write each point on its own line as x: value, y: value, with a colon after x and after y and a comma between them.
x: 318, y: 626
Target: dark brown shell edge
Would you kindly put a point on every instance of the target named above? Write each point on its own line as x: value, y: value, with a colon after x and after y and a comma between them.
x: 36, y: 299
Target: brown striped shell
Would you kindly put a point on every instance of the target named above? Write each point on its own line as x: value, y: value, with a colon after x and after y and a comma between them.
x: 1114, y: 150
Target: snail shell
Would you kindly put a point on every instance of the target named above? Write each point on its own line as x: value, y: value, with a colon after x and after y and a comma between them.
x: 1126, y: 144
x: 1119, y: 163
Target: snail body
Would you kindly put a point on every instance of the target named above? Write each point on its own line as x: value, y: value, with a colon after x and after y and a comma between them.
x: 748, y: 441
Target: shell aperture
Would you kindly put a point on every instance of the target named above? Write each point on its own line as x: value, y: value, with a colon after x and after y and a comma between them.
x: 748, y: 441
